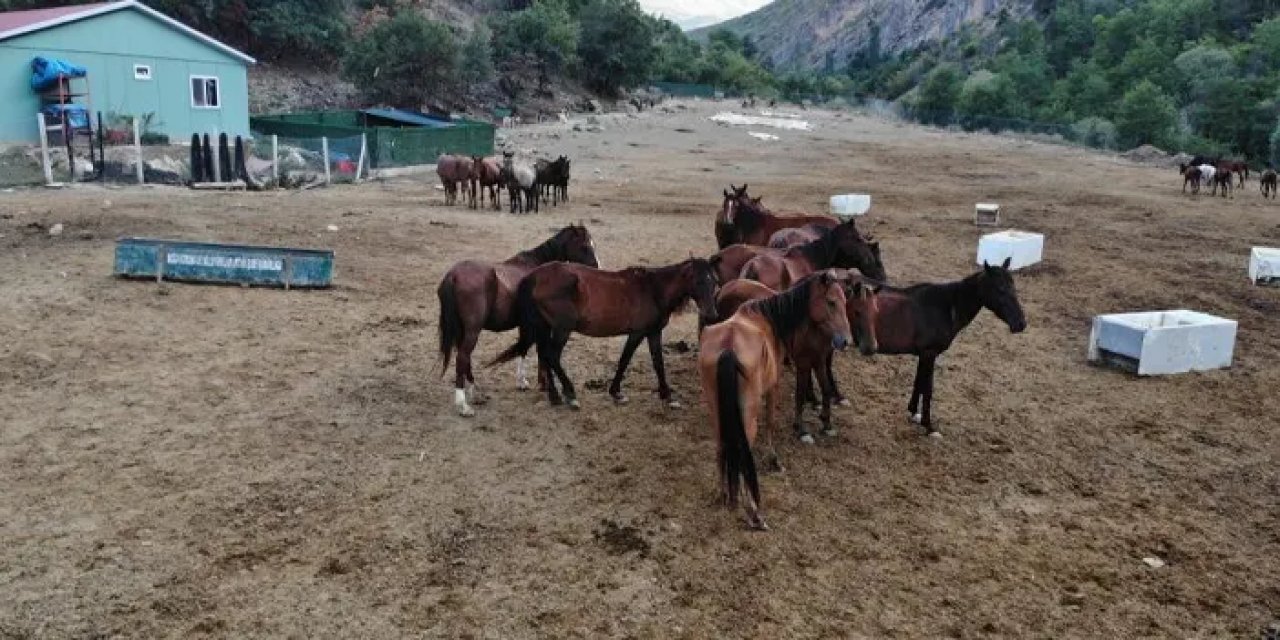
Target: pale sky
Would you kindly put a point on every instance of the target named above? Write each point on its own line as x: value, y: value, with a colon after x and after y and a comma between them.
x: 692, y: 14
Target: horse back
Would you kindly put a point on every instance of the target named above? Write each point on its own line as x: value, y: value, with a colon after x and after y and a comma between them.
x: 752, y: 340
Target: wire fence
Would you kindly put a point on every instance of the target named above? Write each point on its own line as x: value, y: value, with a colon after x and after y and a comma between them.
x: 296, y: 161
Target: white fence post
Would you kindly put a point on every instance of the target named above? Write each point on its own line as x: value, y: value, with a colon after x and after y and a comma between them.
x: 44, y: 149
x: 275, y: 158
x: 364, y: 144
x: 216, y: 170
x: 137, y: 147
x: 324, y: 144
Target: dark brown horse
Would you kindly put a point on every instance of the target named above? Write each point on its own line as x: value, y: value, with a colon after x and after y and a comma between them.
x: 1190, y: 176
x: 1267, y: 184
x: 923, y: 320
x: 557, y: 300
x: 809, y: 355
x: 745, y: 220
x: 478, y: 295
x: 842, y: 247
x: 740, y: 360
x: 1222, y: 180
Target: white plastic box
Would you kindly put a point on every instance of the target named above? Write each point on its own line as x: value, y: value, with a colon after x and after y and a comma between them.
x: 1152, y: 343
x: 850, y: 204
x: 1024, y: 248
x: 986, y: 214
x: 1264, y: 266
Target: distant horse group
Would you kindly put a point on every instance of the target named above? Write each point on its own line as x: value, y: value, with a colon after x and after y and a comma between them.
x: 527, y: 184
x: 1220, y: 175
x: 783, y: 289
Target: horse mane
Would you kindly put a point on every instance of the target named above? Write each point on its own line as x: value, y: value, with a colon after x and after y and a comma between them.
x: 788, y: 310
x: 550, y: 250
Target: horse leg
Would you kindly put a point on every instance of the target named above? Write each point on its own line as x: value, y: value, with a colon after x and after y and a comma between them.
x: 462, y: 371
x: 660, y: 368
x: 557, y: 350
x: 827, y: 384
x: 522, y: 374
x: 474, y: 395
x: 913, y: 407
x: 804, y: 389
x: 927, y: 420
x: 836, y: 397
x: 628, y: 350
x: 545, y: 371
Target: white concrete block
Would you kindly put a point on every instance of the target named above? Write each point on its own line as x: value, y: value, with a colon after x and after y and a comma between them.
x: 1264, y: 266
x: 850, y: 204
x: 986, y: 214
x: 1024, y: 248
x: 1153, y: 343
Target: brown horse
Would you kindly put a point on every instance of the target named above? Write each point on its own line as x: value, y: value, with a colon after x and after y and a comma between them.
x: 481, y: 295
x: 488, y: 175
x: 1267, y: 184
x: 745, y: 220
x: 729, y: 261
x: 923, y: 320
x: 740, y: 360
x: 557, y: 300
x: 1190, y: 176
x: 455, y: 171
x: 1222, y: 180
x: 1237, y: 167
x: 809, y: 355
x: 787, y: 238
x: 842, y: 247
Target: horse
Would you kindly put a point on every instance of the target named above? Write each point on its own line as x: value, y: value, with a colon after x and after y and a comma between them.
x: 923, y: 320
x: 488, y: 175
x: 478, y: 295
x: 740, y: 360
x: 1267, y: 183
x: 522, y: 184
x: 728, y: 262
x: 1222, y: 179
x: 1191, y: 176
x: 787, y: 238
x: 455, y: 171
x: 1207, y: 173
x: 1236, y: 167
x: 553, y: 179
x: 745, y: 220
x: 561, y: 186
x: 807, y: 354
x: 557, y: 300
x: 842, y: 247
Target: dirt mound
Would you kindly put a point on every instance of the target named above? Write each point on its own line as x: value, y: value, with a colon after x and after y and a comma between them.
x: 1147, y: 154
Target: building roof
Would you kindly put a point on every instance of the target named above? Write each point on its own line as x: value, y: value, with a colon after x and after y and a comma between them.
x: 408, y: 117
x: 16, y: 23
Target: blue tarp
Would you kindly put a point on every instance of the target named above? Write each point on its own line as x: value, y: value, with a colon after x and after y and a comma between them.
x: 76, y: 114
x: 408, y: 117
x: 46, y: 71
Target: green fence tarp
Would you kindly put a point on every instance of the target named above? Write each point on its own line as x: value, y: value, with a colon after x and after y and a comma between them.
x: 683, y: 90
x: 387, y: 146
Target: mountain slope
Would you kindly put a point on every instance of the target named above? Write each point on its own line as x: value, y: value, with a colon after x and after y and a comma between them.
x: 801, y: 33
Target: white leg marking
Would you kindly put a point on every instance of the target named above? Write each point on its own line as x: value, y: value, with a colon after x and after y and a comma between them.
x: 522, y: 376
x: 917, y: 418
x: 460, y: 401
x: 599, y: 262
x: 936, y: 434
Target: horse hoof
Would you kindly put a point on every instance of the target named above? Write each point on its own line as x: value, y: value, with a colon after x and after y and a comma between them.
x: 466, y: 412
x: 831, y: 432
x: 674, y: 404
x: 935, y: 434
x: 620, y: 399
x: 523, y: 385
x: 917, y: 419
x: 806, y: 438
x: 844, y: 402
x: 573, y: 404
x: 757, y: 523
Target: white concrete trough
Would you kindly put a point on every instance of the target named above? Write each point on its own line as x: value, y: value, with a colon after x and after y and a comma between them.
x: 1154, y: 343
x: 850, y: 204
x: 1023, y: 248
x: 1264, y: 266
x: 986, y: 214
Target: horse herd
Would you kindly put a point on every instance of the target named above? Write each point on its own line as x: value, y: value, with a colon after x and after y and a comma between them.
x: 527, y: 184
x: 782, y: 288
x: 1223, y: 176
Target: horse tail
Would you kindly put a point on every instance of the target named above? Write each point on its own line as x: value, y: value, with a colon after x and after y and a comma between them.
x: 736, y: 461
x: 531, y: 324
x: 450, y: 320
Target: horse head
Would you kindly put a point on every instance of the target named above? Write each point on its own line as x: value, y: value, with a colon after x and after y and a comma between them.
x: 854, y: 251
x: 698, y: 276
x: 997, y: 293
x: 862, y: 307
x: 826, y: 308
x: 576, y: 245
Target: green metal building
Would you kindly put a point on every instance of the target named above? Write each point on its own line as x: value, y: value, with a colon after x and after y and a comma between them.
x: 139, y: 62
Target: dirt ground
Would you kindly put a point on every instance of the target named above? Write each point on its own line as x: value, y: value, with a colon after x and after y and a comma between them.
x: 186, y: 461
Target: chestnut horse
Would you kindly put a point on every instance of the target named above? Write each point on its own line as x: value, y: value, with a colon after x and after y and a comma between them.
x: 454, y: 172
x: 744, y: 220
x: 842, y: 247
x: 1267, y: 184
x: 478, y: 295
x: 488, y: 175
x: 557, y: 300
x: 787, y: 238
x: 811, y: 356
x: 728, y: 262
x: 923, y: 320
x: 740, y: 360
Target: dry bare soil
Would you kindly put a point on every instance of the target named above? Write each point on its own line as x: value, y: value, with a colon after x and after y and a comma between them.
x: 185, y: 461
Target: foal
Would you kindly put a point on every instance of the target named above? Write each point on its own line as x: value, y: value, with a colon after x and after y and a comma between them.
x: 478, y: 295
x: 924, y: 319
x: 559, y: 299
x: 740, y: 360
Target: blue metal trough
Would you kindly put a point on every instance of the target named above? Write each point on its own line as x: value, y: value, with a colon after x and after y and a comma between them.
x: 223, y: 263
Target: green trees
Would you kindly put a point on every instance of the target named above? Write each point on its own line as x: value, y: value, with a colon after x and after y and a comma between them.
x: 404, y: 61
x: 475, y: 64
x: 616, y: 45
x: 939, y: 94
x: 1145, y: 116
x: 545, y: 32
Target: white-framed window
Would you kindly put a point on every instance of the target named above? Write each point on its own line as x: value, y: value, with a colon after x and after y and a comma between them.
x: 204, y: 93
x: 141, y: 72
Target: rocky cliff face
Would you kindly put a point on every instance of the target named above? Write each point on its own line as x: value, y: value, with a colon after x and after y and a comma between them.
x: 800, y: 33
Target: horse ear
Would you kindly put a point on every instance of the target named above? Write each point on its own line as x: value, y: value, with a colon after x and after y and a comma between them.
x: 1007, y: 261
x: 986, y: 266
x: 726, y: 194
